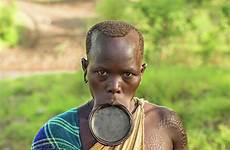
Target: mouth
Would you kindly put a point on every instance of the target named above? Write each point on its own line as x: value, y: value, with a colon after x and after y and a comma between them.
x: 112, y: 99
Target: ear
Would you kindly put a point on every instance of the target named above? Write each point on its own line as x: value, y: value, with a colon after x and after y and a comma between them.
x: 143, y: 67
x: 84, y: 64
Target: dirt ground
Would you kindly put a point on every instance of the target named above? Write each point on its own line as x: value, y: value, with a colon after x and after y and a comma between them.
x: 54, y: 40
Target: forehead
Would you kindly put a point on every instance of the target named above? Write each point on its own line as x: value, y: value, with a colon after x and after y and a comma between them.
x: 116, y: 49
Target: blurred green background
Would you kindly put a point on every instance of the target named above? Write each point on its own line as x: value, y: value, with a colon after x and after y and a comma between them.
x: 187, y: 48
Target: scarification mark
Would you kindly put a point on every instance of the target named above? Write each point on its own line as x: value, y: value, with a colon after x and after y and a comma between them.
x: 154, y: 142
x: 172, y: 121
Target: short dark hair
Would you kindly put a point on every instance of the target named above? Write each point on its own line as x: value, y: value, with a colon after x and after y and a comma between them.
x: 113, y: 28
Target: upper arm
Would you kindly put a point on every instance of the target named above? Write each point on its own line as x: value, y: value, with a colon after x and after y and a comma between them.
x: 174, y: 127
x: 41, y: 141
x: 60, y: 132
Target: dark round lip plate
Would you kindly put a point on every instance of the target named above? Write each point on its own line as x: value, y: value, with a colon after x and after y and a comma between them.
x: 102, y: 140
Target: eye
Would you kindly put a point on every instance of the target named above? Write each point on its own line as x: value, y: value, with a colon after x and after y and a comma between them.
x: 101, y: 73
x: 128, y: 74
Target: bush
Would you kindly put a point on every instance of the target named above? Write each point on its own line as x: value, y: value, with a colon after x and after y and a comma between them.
x: 177, y: 32
x: 9, y: 26
x: 105, y: 8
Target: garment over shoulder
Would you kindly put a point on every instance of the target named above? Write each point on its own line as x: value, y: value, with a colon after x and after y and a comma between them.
x: 60, y: 132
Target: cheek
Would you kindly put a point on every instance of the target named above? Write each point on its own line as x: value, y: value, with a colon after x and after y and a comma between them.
x: 134, y: 84
x: 93, y: 84
x: 137, y: 83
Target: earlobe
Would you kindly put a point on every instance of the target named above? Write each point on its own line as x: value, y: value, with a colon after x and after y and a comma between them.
x: 143, y: 67
x: 84, y: 64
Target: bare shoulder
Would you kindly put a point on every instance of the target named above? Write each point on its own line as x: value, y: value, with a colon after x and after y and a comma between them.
x: 161, y: 114
x: 167, y: 119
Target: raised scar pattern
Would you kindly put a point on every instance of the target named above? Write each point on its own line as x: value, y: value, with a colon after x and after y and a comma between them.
x: 171, y: 121
x: 154, y: 142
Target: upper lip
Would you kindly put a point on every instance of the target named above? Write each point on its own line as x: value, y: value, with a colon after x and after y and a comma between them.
x: 111, y: 99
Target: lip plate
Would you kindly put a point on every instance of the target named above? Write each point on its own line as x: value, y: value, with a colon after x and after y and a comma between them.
x: 102, y: 140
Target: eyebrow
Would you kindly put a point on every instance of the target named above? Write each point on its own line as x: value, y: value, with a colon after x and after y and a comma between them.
x: 131, y: 70
x: 99, y: 65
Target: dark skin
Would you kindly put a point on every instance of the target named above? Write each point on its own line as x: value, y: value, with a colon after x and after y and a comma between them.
x: 114, y: 69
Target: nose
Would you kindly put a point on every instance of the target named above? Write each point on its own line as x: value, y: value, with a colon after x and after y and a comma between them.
x: 114, y: 86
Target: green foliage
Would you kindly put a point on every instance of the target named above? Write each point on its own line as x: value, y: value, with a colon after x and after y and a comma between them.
x: 226, y: 9
x: 9, y: 27
x: 27, y: 103
x: 208, y: 140
x: 161, y: 16
x: 177, y: 32
x: 105, y: 8
x: 200, y: 96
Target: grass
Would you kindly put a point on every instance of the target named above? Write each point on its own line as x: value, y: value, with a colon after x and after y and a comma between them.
x: 199, y: 95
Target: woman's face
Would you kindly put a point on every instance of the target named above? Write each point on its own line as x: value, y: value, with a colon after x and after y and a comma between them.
x: 114, y: 70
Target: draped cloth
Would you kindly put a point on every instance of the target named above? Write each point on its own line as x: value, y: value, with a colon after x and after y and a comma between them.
x: 60, y: 132
x: 136, y: 140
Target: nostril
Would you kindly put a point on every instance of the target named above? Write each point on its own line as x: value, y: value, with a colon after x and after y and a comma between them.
x: 114, y: 86
x: 113, y: 91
